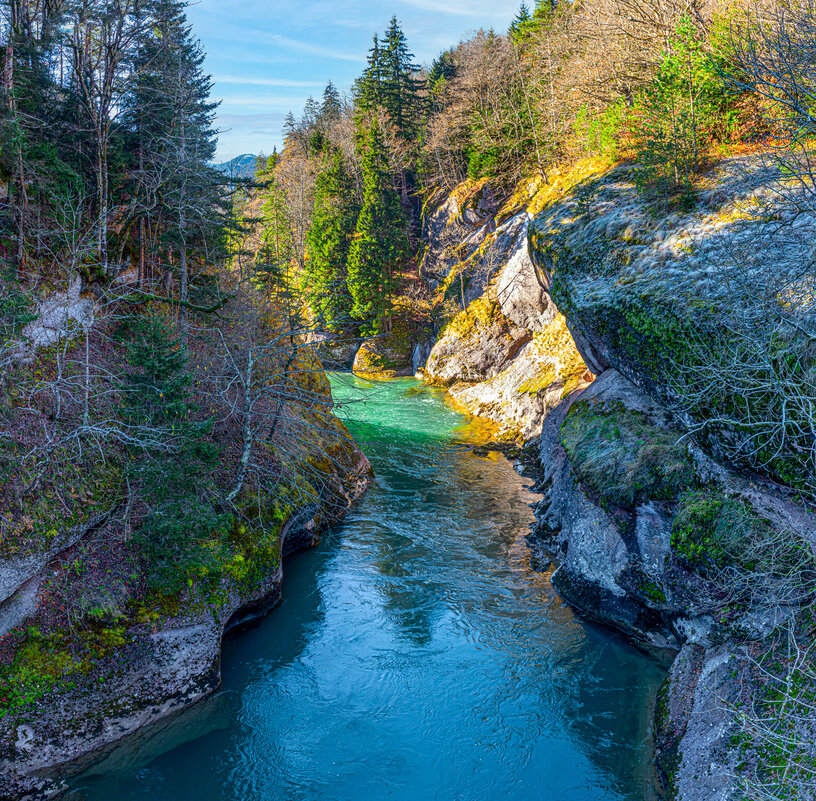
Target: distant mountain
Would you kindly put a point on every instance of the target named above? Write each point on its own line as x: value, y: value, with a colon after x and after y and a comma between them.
x: 239, y: 167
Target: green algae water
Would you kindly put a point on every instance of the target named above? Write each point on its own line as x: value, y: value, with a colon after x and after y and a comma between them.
x: 415, y: 656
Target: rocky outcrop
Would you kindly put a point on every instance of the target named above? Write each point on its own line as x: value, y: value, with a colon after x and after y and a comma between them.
x: 21, y: 576
x: 658, y: 296
x: 660, y: 534
x: 165, y: 671
x: 507, y: 355
x: 60, y: 315
x: 336, y: 350
x: 633, y: 513
x: 386, y: 356
x: 402, y: 346
x: 695, y: 728
x: 477, y: 346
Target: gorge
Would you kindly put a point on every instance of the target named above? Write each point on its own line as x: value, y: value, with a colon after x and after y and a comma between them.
x: 415, y: 649
x: 462, y: 447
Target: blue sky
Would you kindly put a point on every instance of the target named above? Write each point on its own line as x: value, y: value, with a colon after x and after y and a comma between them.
x: 268, y: 57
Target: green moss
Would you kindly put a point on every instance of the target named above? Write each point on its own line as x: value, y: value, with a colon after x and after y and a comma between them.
x: 40, y: 665
x: 538, y: 382
x: 655, y: 339
x: 653, y: 591
x: 698, y: 534
x: 712, y: 531
x: 622, y: 457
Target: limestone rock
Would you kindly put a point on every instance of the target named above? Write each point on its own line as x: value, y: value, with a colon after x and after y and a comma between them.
x: 383, y: 357
x: 521, y: 298
x: 336, y: 351
x: 59, y: 315
x: 478, y: 348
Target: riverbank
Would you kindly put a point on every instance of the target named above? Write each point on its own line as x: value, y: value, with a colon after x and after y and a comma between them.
x: 661, y: 526
x: 161, y: 670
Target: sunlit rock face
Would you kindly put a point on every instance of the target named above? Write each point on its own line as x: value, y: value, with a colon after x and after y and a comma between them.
x: 659, y: 293
x: 507, y: 355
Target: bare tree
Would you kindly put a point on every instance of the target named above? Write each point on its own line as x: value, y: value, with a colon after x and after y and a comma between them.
x: 101, y: 38
x: 778, y: 728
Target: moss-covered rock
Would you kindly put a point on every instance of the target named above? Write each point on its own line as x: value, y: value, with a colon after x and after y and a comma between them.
x: 622, y: 457
x: 385, y: 356
x: 669, y: 303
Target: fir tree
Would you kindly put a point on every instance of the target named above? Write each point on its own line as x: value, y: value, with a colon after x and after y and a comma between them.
x: 368, y: 87
x: 401, y: 88
x: 332, y: 104
x: 442, y: 69
x: 519, y: 24
x: 289, y: 130
x: 172, y: 115
x: 277, y: 249
x: 390, y: 81
x: 380, y: 241
x: 327, y: 241
x: 157, y: 384
x: 311, y: 113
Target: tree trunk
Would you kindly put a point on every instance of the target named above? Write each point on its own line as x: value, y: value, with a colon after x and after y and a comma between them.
x: 246, y: 433
x: 183, y: 277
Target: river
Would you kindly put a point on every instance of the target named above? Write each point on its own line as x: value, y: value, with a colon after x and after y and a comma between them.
x: 415, y: 656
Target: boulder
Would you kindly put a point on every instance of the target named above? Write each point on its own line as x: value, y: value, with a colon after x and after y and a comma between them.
x: 386, y: 356
x: 336, y: 350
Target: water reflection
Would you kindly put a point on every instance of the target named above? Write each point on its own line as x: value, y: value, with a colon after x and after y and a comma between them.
x: 415, y: 655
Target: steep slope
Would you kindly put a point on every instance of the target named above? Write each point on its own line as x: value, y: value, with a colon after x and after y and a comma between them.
x: 98, y: 642
x: 507, y: 354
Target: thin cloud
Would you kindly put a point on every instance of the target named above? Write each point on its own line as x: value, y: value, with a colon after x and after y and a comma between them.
x: 316, y: 50
x: 240, y: 80
x: 456, y: 8
x: 283, y: 102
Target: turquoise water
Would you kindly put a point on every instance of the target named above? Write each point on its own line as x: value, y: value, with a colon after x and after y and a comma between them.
x: 415, y: 655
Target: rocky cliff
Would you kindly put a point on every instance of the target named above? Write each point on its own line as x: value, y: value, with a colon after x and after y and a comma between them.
x: 669, y: 515
x: 504, y: 351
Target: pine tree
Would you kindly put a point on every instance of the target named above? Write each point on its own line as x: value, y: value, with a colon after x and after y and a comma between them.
x: 380, y: 241
x: 328, y: 241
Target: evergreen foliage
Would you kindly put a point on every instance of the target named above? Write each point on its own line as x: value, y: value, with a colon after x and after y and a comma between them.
x: 682, y: 108
x: 171, y: 115
x: 380, y: 241
x: 328, y: 241
x: 442, y: 70
x: 390, y: 82
x: 332, y: 104
x: 520, y: 21
x: 174, y: 466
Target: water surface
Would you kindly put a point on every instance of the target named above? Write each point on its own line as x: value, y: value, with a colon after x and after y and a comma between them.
x: 415, y: 656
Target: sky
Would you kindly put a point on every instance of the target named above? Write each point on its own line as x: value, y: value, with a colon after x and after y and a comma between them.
x: 267, y: 56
